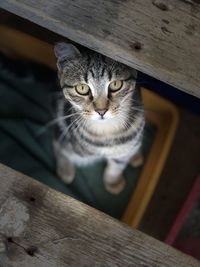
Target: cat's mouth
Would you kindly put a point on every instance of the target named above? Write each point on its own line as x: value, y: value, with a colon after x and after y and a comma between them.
x: 101, y: 118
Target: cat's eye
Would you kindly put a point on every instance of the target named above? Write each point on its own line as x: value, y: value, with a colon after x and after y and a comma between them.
x: 115, y: 85
x: 82, y: 89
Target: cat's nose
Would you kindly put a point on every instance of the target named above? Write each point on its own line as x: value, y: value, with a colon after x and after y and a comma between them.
x: 101, y: 112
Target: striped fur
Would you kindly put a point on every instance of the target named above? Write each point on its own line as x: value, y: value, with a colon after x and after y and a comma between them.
x: 84, y: 136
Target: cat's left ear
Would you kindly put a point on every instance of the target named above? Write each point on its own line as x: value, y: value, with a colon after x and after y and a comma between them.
x: 65, y: 52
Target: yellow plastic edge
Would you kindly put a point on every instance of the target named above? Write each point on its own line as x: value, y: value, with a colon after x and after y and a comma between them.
x: 164, y: 115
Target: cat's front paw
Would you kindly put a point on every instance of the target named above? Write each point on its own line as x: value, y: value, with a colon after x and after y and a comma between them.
x: 137, y: 161
x: 115, y: 188
x: 66, y: 173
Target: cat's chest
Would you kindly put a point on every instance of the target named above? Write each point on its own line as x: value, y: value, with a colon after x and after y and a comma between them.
x: 98, y: 148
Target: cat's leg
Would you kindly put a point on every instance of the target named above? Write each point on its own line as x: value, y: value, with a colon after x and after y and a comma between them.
x: 137, y: 159
x: 113, y: 180
x: 64, y: 167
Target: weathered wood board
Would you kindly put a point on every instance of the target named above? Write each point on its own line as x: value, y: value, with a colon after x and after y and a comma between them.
x: 40, y: 227
x: 160, y: 38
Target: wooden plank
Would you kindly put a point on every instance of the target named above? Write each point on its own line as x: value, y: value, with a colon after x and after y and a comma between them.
x: 160, y: 38
x: 41, y: 227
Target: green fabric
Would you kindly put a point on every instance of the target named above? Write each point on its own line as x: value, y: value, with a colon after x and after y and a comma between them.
x: 24, y: 110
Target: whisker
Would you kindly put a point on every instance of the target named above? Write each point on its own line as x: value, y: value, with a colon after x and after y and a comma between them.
x: 75, y: 122
x: 54, y: 121
x: 136, y: 109
x: 51, y: 123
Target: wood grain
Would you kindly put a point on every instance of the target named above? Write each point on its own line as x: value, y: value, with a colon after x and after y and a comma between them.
x: 41, y: 227
x: 160, y: 38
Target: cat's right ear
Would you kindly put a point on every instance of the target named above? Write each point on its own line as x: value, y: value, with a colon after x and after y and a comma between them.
x: 64, y: 52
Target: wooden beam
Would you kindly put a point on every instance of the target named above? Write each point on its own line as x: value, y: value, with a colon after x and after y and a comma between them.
x: 41, y: 227
x: 160, y: 38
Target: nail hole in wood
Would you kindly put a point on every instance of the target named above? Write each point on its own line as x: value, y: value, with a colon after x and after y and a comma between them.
x: 106, y: 32
x: 136, y: 46
x: 31, y: 251
x: 10, y: 240
x: 165, y: 21
x: 165, y: 30
x: 161, y: 5
x: 191, y: 2
x: 32, y: 199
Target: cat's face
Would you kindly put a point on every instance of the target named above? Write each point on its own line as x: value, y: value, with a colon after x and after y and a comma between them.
x: 99, y: 88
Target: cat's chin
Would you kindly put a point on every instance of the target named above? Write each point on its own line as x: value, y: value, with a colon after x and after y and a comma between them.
x: 105, y: 125
x: 96, y: 117
x: 106, y: 119
x: 103, y: 121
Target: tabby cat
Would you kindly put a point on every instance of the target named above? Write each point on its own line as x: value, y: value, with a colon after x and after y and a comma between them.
x: 100, y: 115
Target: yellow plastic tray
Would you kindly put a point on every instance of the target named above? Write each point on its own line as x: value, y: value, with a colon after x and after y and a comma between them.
x: 158, y: 111
x: 164, y: 115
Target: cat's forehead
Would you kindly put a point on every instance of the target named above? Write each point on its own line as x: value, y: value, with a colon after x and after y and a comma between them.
x: 100, y: 66
x: 95, y: 67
